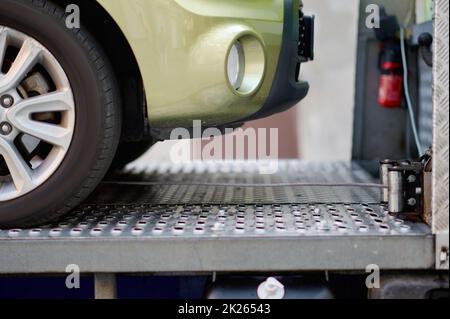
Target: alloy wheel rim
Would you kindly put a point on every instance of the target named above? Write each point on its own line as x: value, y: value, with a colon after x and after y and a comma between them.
x: 37, y: 114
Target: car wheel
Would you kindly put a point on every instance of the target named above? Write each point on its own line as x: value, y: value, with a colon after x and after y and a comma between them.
x: 59, y: 113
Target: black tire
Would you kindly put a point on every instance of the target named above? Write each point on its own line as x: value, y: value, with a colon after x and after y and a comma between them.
x: 97, y: 106
x: 130, y: 151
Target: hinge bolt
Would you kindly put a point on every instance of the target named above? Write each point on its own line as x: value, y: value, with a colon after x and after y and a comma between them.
x: 412, y: 179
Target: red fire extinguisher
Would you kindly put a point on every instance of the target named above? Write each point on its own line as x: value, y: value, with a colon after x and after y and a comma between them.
x: 390, y: 93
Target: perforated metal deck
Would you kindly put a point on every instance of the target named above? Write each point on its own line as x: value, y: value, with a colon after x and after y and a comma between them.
x: 141, y: 228
x: 239, y: 173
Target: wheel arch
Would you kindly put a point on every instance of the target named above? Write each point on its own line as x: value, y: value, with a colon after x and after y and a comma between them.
x: 103, y: 27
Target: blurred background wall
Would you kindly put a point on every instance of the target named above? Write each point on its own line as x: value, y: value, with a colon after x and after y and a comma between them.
x: 320, y: 127
x: 325, y: 117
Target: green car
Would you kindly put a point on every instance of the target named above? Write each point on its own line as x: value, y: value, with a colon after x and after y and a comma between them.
x: 87, y: 86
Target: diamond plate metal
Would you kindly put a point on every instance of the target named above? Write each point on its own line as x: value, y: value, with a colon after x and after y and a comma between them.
x: 441, y: 120
x: 239, y: 173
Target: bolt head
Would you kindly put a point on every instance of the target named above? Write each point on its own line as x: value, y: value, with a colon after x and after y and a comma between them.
x: 5, y: 128
x: 412, y: 202
x: 6, y: 101
x: 412, y: 178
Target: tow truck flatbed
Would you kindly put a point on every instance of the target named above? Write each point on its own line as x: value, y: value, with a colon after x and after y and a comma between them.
x: 126, y: 228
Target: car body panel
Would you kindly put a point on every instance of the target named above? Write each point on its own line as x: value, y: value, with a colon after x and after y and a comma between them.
x: 182, y: 46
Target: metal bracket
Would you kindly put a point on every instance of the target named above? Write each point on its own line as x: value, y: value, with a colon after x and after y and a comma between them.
x: 442, y: 251
x: 105, y: 286
x: 405, y: 187
x: 306, y: 38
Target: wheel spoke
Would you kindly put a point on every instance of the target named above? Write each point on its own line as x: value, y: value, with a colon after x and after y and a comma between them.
x: 21, y: 117
x: 27, y: 58
x: 20, y: 172
x: 50, y: 133
x: 52, y: 102
x: 3, y: 44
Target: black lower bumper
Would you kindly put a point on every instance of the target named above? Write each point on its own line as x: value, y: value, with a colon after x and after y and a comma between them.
x: 296, y: 48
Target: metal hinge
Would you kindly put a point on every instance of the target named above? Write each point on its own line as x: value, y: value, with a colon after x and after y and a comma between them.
x: 406, y: 185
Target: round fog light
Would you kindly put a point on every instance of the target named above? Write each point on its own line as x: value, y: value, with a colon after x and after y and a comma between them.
x: 246, y: 65
x: 236, y: 65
